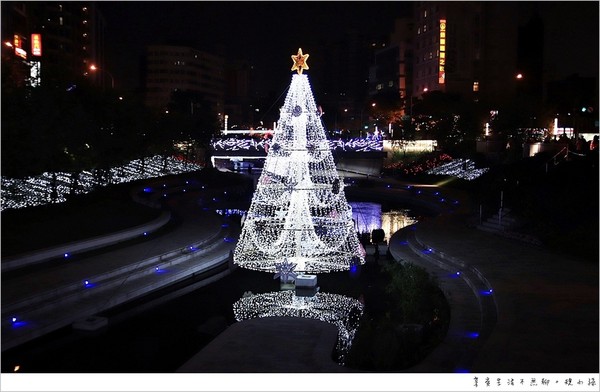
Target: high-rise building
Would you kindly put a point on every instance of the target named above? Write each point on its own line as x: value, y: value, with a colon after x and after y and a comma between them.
x: 170, y: 68
x: 55, y: 40
x: 468, y: 48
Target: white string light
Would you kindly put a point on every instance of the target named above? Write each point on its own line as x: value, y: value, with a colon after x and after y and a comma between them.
x: 339, y: 310
x: 461, y: 168
x: 33, y: 191
x: 299, y: 211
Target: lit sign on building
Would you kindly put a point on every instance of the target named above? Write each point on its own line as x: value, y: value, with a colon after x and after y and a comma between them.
x: 36, y: 44
x: 442, y: 67
x: 17, y: 44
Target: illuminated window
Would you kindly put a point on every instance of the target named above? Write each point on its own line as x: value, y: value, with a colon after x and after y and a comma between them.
x: 425, y: 14
x: 424, y: 28
x: 430, y: 55
x: 60, y: 20
x: 475, y: 86
x: 379, y: 86
x: 418, y: 31
x: 391, y: 83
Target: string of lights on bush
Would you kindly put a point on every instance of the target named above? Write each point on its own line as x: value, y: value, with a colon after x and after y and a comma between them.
x: 339, y: 310
x: 299, y: 211
x: 33, y: 191
x: 460, y: 168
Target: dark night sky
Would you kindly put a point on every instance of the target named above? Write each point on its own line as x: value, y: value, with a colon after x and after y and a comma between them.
x: 267, y: 33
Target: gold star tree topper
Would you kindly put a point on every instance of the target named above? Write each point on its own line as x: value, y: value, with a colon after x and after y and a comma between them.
x: 299, y: 61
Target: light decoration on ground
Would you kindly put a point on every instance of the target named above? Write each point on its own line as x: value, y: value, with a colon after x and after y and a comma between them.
x: 339, y: 310
x: 33, y: 191
x: 460, y: 168
x: 299, y: 210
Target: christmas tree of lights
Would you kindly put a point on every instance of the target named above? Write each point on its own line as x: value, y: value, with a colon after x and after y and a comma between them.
x: 299, y: 215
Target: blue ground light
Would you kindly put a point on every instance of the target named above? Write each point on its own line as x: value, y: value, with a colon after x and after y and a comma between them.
x: 87, y: 284
x: 16, y: 323
x: 472, y: 335
x: 486, y: 292
x: 427, y: 251
x: 159, y: 270
x: 227, y: 239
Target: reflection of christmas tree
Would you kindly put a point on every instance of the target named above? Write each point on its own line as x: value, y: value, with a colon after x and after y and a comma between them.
x: 299, y: 212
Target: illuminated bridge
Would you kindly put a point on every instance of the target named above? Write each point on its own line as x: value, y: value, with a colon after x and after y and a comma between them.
x: 244, y: 150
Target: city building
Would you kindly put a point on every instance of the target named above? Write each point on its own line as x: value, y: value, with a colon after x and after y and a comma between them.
x: 488, y: 52
x: 170, y: 68
x: 53, y: 40
x: 466, y: 48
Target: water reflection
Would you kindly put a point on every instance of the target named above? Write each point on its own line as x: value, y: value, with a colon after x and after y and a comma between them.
x: 366, y: 215
x: 369, y: 216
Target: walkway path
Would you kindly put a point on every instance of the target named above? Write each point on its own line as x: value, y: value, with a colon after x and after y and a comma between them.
x: 537, y: 311
x: 54, y: 294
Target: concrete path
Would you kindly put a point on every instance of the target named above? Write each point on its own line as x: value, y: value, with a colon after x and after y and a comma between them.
x: 537, y: 310
x: 54, y: 294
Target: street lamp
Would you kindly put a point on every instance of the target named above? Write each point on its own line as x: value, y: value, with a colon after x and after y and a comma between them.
x: 93, y: 68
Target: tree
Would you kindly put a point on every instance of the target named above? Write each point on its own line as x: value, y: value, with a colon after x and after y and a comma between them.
x: 449, y: 119
x: 299, y: 214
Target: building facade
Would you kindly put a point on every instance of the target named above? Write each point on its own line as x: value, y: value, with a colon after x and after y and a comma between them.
x: 54, y: 40
x: 466, y: 48
x: 170, y: 68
